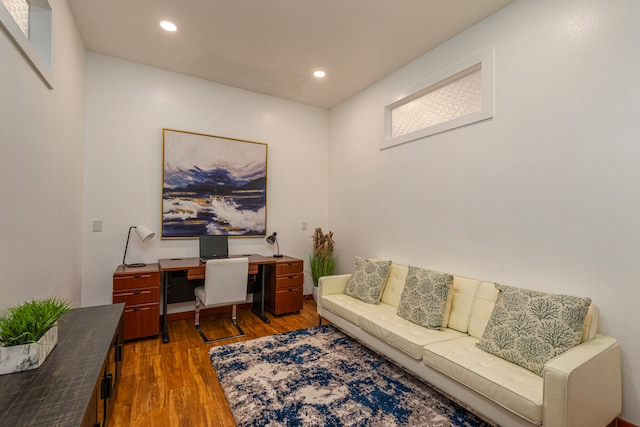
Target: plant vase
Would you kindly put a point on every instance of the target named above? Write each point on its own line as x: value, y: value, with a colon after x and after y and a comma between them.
x: 315, y: 294
x: 25, y: 357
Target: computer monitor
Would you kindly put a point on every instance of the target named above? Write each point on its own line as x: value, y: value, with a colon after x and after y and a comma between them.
x: 214, y: 246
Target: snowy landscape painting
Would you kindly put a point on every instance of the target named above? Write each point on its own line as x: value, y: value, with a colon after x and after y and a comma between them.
x: 213, y: 185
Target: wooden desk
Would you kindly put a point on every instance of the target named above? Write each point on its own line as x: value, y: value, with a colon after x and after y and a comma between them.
x: 260, y: 266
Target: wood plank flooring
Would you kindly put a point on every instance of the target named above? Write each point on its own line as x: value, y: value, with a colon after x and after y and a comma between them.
x: 174, y: 384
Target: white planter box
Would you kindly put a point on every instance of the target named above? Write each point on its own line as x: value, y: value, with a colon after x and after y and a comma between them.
x: 28, y: 356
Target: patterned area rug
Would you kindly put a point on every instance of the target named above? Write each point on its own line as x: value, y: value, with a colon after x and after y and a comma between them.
x: 321, y: 377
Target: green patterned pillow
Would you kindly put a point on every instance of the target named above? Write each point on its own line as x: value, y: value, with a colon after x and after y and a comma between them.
x: 368, y: 279
x: 530, y: 328
x: 426, y: 298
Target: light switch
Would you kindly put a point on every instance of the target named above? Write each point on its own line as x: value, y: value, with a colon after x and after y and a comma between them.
x: 97, y: 225
x: 304, y: 225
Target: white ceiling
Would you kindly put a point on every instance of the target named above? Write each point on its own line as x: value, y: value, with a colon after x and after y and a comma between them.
x: 273, y: 46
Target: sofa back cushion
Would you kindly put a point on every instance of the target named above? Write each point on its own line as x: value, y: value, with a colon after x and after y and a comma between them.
x: 482, y: 308
x: 464, y: 292
x: 395, y: 284
x: 590, y: 324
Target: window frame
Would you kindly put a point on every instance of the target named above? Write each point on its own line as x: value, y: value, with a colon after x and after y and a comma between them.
x: 482, y: 60
x: 24, y: 45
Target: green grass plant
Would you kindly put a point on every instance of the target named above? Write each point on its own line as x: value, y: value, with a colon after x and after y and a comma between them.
x: 321, y: 266
x: 27, y: 322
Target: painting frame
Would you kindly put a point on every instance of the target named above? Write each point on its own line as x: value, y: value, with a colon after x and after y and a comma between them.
x: 212, y: 185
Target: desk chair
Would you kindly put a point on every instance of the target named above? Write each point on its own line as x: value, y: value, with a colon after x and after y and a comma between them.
x: 225, y: 283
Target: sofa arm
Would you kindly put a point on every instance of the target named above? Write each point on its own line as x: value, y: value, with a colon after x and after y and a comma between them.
x: 583, y: 387
x: 329, y: 285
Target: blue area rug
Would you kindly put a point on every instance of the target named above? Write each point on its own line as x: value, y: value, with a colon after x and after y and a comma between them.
x: 321, y: 377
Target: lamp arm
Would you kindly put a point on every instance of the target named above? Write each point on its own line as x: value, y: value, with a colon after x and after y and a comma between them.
x: 278, y: 246
x: 127, y: 245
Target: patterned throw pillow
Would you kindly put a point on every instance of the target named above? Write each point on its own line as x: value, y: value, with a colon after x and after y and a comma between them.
x: 426, y: 298
x: 530, y: 328
x: 368, y: 279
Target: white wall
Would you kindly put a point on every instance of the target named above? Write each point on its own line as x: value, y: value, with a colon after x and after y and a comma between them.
x: 128, y: 104
x: 544, y: 196
x: 41, y: 169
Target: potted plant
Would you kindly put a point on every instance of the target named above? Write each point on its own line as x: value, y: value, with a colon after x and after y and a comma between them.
x: 322, y: 262
x: 28, y: 333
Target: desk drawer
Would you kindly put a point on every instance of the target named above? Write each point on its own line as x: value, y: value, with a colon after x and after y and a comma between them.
x: 137, y: 296
x: 141, y: 321
x: 288, y: 267
x: 288, y: 300
x: 136, y: 281
x: 289, y: 280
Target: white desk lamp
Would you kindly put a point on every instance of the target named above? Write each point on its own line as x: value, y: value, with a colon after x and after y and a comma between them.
x: 145, y: 235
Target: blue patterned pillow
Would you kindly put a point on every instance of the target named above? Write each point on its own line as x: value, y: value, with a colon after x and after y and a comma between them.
x: 426, y: 298
x: 368, y: 280
x: 529, y: 328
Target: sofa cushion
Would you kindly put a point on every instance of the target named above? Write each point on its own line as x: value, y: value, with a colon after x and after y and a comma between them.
x: 426, y: 298
x: 482, y: 308
x: 530, y: 328
x: 509, y: 385
x: 395, y: 284
x: 368, y: 279
x: 464, y: 291
x: 402, y: 334
x: 350, y: 308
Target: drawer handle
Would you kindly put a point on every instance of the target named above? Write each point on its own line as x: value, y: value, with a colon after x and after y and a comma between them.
x: 133, y: 293
x: 137, y: 276
x: 139, y: 309
x: 290, y: 277
x: 290, y: 289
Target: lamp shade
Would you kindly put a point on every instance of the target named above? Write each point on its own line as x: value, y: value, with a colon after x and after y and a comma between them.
x: 144, y: 233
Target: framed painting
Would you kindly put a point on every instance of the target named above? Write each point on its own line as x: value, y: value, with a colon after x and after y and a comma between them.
x: 212, y: 185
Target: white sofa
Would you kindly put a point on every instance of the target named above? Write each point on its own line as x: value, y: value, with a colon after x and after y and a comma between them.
x: 579, y: 388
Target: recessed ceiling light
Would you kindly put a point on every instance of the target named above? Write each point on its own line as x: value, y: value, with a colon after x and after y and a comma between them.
x: 168, y: 26
x: 319, y: 74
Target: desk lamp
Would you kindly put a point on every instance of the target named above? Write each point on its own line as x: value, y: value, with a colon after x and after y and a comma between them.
x: 273, y: 239
x: 145, y: 235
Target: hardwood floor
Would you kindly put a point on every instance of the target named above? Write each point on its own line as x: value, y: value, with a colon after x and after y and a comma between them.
x: 174, y: 384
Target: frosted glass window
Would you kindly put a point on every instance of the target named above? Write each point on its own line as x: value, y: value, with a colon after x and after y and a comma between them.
x: 458, y: 96
x: 28, y: 23
x: 456, y: 99
x: 19, y: 10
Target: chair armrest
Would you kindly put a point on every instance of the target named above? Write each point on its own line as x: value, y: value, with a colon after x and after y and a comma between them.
x: 330, y: 285
x: 583, y: 386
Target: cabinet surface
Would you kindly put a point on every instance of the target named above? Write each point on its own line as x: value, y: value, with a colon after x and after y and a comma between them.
x: 287, y: 294
x: 77, y: 382
x: 139, y: 289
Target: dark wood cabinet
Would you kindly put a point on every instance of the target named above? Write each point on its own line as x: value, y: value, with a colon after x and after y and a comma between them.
x: 287, y: 294
x: 139, y: 289
x: 77, y: 383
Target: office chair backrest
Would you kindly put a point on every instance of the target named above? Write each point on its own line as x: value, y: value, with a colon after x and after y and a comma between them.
x: 225, y: 281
